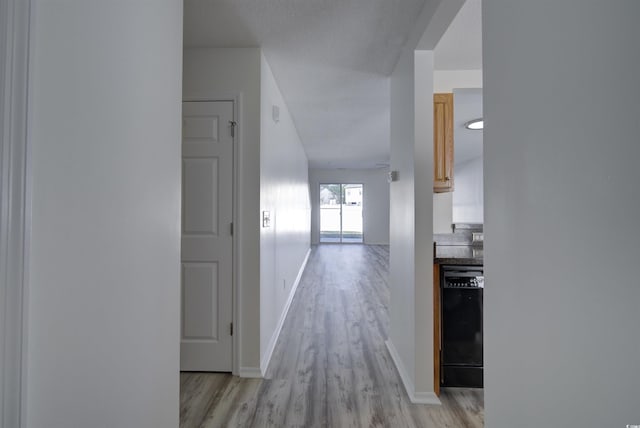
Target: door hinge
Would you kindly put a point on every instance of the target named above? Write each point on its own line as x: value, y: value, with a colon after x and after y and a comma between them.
x: 231, y: 329
x: 231, y: 229
x: 232, y: 124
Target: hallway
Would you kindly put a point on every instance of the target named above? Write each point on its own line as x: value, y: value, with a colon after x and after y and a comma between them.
x: 331, y: 367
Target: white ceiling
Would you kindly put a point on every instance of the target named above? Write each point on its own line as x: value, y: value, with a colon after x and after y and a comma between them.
x: 331, y: 59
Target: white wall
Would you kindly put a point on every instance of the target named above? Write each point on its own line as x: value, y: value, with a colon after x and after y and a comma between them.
x: 411, y: 213
x: 443, y: 211
x: 104, y: 297
x: 14, y: 29
x: 375, y: 204
x: 562, y: 202
x: 402, y: 219
x: 411, y: 217
x: 423, y: 246
x: 225, y: 74
x: 468, y: 197
x: 447, y: 81
x: 273, y: 176
x: 284, y: 192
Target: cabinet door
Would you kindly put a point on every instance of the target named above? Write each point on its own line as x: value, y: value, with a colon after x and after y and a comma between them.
x: 442, y: 143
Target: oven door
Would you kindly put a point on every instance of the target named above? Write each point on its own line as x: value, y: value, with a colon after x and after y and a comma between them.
x: 462, y: 326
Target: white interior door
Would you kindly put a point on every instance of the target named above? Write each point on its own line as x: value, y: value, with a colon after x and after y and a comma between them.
x: 207, y: 245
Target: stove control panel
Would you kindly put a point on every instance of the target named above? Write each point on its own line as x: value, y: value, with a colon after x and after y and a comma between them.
x: 451, y: 281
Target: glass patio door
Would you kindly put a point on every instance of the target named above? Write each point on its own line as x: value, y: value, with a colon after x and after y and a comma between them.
x: 341, y: 213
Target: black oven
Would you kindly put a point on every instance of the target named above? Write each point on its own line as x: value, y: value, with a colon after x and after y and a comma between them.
x: 461, y: 335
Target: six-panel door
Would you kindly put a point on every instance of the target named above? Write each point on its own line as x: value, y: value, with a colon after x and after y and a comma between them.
x: 207, y: 245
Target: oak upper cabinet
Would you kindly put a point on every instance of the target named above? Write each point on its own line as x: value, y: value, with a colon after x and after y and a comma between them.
x: 442, y: 143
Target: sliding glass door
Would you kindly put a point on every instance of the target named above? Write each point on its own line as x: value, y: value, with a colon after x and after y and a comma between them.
x: 341, y: 213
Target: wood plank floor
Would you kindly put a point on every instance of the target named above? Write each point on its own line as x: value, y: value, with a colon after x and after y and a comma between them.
x: 331, y: 367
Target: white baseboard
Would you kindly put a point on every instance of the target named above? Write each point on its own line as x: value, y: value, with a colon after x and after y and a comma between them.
x: 414, y: 397
x: 251, y: 372
x: 425, y: 398
x: 404, y: 376
x: 266, y: 358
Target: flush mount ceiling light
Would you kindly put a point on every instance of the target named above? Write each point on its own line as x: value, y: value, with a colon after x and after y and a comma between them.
x: 475, y: 124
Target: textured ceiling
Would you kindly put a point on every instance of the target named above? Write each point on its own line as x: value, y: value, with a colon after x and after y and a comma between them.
x: 331, y: 59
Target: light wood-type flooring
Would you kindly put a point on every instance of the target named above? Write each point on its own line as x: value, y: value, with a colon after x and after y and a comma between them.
x: 330, y: 367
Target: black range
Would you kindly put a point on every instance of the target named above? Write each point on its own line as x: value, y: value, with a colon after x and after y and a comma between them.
x: 461, y: 302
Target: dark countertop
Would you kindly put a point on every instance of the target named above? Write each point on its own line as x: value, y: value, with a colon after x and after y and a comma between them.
x: 458, y: 255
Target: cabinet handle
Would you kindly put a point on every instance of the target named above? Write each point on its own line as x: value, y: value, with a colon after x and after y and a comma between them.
x: 446, y: 178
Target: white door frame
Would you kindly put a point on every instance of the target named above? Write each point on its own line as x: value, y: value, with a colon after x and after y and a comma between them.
x: 236, y: 339
x: 15, y: 208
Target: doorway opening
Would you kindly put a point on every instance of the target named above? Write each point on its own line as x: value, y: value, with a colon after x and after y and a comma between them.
x: 341, y: 219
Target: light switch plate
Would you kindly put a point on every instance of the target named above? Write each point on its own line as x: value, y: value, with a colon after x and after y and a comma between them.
x: 266, y: 219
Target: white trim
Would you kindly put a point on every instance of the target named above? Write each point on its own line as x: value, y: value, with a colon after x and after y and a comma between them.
x: 402, y: 371
x: 425, y: 398
x: 266, y: 357
x: 14, y: 208
x: 414, y: 396
x: 237, y: 234
x: 250, y: 372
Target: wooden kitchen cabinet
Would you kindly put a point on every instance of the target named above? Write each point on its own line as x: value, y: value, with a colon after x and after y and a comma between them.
x: 442, y: 143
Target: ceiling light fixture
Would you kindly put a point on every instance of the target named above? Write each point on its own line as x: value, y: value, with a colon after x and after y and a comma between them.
x: 475, y: 124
